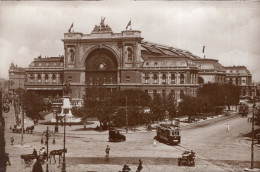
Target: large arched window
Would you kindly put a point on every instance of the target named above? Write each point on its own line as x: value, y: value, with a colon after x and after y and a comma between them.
x: 164, y: 78
x: 173, y: 79
x: 244, y: 92
x: 31, y: 77
x: 46, y: 78
x: 129, y: 54
x: 154, y: 92
x: 181, y: 94
x: 146, y: 78
x: 182, y: 78
x: 237, y: 81
x: 54, y: 78
x: 155, y: 78
x: 39, y: 76
x: 200, y: 80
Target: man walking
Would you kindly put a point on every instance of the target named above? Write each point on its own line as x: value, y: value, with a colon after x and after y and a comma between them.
x: 228, y: 128
x: 107, y: 151
x: 12, y: 140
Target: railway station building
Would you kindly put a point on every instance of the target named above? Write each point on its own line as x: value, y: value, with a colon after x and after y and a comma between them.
x: 118, y: 61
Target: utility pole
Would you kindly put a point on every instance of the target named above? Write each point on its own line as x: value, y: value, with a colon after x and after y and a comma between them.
x: 126, y: 116
x: 253, y: 133
x: 22, y: 104
x: 2, y: 137
x: 64, y: 163
x: 47, y: 141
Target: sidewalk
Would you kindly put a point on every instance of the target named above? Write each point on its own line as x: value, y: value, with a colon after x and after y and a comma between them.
x: 78, y: 129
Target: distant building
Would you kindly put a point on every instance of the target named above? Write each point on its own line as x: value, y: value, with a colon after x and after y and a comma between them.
x: 240, y: 76
x: 45, y: 76
x: 210, y: 71
x: 16, y: 77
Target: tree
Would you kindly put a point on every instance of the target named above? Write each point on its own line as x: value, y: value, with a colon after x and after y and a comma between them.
x: 189, y: 106
x: 171, y: 105
x: 214, y: 95
x: 34, y: 104
x: 157, y: 108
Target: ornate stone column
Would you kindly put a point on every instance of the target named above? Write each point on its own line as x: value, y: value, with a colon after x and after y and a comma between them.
x: 168, y: 78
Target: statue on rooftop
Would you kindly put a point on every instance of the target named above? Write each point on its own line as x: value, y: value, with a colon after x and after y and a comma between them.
x: 66, y: 89
x: 102, y: 23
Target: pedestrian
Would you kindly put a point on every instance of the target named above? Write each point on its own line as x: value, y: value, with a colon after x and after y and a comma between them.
x: 228, y: 128
x: 34, y: 152
x: 40, y: 151
x: 107, y: 151
x: 140, y: 167
x: 85, y: 125
x: 12, y: 140
x: 7, y: 159
x: 37, y: 167
x: 154, y: 143
x: 43, y: 151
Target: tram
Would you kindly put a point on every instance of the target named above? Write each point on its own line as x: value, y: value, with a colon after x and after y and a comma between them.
x: 243, y: 109
x: 169, y: 134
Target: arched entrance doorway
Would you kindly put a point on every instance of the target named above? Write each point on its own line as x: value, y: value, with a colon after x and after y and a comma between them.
x: 101, y: 67
x: 200, y: 81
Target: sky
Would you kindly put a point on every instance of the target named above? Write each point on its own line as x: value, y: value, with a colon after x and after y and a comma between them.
x: 230, y: 30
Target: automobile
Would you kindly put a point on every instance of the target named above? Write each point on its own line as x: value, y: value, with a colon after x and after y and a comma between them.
x: 116, y: 136
x: 188, y: 158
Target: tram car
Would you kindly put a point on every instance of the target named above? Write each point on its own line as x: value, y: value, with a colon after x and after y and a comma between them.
x: 243, y: 110
x: 169, y: 134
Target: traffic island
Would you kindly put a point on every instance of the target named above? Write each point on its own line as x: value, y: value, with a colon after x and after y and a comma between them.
x: 22, y: 146
x: 252, y: 169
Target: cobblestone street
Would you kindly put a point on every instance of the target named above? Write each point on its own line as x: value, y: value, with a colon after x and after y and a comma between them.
x: 86, y: 149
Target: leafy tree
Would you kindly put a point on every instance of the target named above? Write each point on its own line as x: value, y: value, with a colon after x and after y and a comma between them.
x: 214, y: 95
x: 157, y: 108
x: 34, y: 104
x: 171, y: 105
x: 189, y: 106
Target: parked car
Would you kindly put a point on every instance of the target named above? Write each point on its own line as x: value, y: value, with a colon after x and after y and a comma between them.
x: 115, y: 136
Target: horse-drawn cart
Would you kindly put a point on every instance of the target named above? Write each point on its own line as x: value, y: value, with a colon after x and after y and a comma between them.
x: 28, y: 158
x: 17, y: 130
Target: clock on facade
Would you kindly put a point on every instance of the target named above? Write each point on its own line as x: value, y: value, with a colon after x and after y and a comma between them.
x: 102, y: 66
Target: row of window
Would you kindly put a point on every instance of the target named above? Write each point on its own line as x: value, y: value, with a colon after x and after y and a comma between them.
x: 39, y: 78
x: 177, y: 94
x: 173, y: 78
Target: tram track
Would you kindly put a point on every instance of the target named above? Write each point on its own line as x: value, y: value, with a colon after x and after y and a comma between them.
x: 182, y: 148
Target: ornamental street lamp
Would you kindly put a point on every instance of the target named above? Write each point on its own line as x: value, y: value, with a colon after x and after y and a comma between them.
x: 65, y: 112
x: 252, y: 144
x: 55, y: 111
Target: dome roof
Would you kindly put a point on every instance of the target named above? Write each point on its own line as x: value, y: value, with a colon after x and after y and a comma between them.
x: 209, y: 64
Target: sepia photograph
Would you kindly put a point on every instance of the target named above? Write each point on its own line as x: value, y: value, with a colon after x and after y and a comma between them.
x: 129, y: 86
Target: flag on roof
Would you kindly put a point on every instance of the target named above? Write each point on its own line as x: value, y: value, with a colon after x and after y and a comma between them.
x: 70, y: 28
x: 129, y: 24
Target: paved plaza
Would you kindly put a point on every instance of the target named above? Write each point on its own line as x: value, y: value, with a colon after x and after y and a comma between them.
x: 216, y: 149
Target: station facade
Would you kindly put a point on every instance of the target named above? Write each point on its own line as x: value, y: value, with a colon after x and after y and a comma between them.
x: 118, y: 61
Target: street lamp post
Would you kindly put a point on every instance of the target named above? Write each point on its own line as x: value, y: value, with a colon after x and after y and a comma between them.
x: 252, y: 144
x: 126, y: 116
x: 64, y: 162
